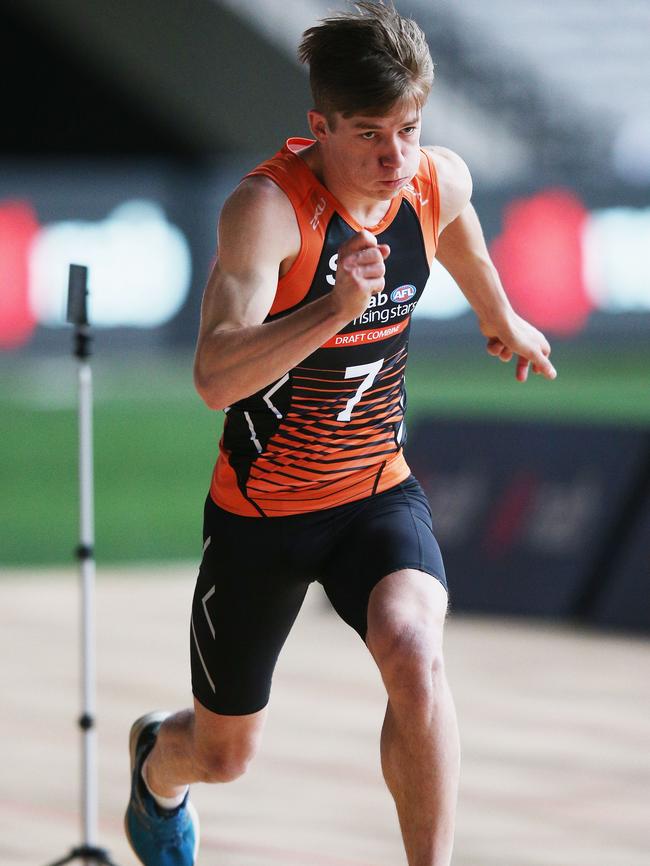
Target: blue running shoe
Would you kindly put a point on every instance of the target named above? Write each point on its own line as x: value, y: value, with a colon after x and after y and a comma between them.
x: 159, y: 837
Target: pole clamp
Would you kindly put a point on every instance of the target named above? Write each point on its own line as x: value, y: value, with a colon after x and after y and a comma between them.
x: 84, y: 551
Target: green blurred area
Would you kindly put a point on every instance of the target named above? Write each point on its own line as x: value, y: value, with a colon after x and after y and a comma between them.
x: 155, y: 442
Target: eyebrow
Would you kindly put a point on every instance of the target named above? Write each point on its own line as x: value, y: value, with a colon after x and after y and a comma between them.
x: 363, y: 124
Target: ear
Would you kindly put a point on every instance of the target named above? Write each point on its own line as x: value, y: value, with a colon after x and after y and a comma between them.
x: 318, y: 124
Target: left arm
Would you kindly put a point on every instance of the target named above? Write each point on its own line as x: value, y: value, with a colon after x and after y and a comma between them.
x: 463, y: 252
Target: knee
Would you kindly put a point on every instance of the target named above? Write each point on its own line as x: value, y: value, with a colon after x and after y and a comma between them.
x: 411, y: 664
x: 223, y: 763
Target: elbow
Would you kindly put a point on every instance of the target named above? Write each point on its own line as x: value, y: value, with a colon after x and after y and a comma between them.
x: 208, y: 390
x: 212, y: 398
x: 213, y: 402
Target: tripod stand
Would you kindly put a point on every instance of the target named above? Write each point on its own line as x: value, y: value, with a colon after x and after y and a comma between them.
x: 88, y: 852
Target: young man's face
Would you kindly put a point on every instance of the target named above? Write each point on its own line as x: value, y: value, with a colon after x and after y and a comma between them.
x: 374, y: 156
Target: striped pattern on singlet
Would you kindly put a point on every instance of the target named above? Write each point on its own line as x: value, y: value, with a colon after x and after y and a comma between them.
x: 331, y: 430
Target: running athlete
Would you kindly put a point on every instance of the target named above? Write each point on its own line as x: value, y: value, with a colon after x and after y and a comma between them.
x: 324, y: 251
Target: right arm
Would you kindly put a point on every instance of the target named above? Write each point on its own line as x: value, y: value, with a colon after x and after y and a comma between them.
x: 463, y: 252
x: 237, y: 353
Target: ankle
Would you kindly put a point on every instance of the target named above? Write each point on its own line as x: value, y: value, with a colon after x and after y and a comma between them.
x: 166, y: 796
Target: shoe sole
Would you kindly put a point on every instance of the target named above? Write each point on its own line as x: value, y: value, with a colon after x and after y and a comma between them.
x: 134, y: 735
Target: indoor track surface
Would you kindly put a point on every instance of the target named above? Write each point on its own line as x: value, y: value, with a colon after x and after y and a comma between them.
x: 555, y: 728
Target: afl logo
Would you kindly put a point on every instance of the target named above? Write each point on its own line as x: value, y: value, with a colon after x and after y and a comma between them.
x: 402, y: 294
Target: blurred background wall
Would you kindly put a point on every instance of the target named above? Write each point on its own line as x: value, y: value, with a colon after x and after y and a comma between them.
x: 127, y: 123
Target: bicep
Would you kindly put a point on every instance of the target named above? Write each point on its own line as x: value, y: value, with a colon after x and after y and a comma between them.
x: 257, y: 232
x: 236, y: 297
x: 462, y: 248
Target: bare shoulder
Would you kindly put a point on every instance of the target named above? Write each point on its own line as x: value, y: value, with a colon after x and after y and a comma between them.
x: 258, y: 218
x: 454, y: 182
x: 258, y: 235
x: 259, y: 192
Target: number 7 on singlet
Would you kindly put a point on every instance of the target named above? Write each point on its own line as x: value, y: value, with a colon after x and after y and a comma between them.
x: 370, y: 372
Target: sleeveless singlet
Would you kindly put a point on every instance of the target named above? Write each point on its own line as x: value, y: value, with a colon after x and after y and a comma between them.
x: 331, y: 430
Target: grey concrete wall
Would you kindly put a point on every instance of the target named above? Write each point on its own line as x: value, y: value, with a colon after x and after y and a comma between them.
x: 219, y: 80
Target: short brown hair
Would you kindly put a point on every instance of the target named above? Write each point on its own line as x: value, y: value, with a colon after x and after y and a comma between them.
x: 367, y: 61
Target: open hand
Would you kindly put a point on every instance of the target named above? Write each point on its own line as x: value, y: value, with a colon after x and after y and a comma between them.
x: 515, y: 336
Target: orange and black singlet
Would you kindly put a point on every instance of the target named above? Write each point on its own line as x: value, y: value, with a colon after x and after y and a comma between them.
x: 331, y: 430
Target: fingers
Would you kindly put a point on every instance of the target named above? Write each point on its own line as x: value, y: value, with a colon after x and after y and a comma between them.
x: 540, y: 363
x: 523, y: 366
x: 360, y: 272
x: 364, y: 245
x: 545, y: 368
x: 368, y: 256
x: 498, y: 350
x: 359, y: 241
x: 364, y: 258
x: 542, y: 367
x: 367, y: 264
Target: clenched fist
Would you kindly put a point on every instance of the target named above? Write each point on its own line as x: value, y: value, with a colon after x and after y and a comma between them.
x: 359, y: 274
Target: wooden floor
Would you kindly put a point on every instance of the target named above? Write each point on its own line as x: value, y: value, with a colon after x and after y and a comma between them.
x: 555, y: 728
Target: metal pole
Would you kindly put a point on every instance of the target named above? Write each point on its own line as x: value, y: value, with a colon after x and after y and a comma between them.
x: 88, y: 852
x: 87, y: 562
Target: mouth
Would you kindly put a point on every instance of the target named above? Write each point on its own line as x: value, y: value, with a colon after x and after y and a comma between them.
x: 394, y: 184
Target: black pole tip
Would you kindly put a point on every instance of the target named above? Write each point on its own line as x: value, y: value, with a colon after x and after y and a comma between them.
x: 77, y: 314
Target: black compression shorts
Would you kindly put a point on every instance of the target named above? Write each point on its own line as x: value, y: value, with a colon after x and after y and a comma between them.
x: 255, y: 573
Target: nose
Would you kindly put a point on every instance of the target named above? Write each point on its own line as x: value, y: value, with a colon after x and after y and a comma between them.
x: 391, y: 154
